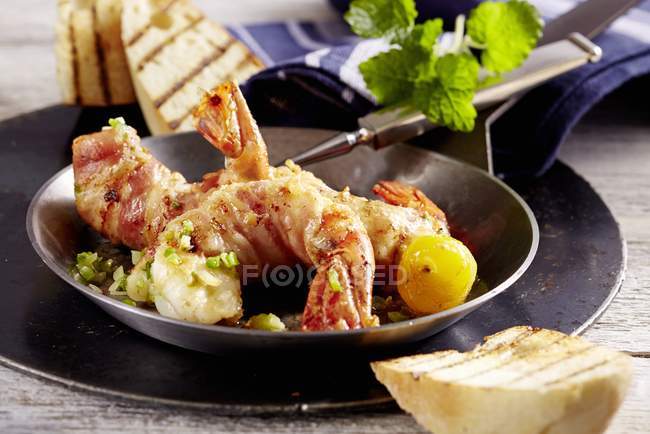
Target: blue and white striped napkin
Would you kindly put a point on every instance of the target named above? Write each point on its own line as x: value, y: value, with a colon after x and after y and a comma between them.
x: 313, y: 80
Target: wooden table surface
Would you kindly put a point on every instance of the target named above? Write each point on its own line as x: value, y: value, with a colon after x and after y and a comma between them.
x: 610, y: 148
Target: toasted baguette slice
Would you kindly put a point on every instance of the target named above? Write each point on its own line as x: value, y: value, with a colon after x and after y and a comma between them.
x: 91, y: 64
x: 522, y: 380
x: 175, y: 54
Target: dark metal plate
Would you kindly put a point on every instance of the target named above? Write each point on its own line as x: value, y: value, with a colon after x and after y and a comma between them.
x: 48, y: 329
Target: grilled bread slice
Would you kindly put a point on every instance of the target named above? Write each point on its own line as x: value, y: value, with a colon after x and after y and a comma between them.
x: 91, y: 64
x: 522, y: 380
x: 175, y: 54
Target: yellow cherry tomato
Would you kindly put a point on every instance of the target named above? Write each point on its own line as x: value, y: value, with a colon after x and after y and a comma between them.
x: 436, y: 272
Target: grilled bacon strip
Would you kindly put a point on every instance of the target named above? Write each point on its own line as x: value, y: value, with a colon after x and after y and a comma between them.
x: 122, y: 191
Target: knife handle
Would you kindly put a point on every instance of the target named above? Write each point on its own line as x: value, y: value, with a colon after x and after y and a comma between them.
x: 335, y: 146
x: 385, y: 127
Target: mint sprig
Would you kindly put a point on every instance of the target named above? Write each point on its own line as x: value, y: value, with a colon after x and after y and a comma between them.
x: 392, y: 76
x: 507, y: 31
x: 446, y: 98
x: 381, y: 18
x: 441, y: 82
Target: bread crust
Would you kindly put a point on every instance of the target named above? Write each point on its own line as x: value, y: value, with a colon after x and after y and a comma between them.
x: 522, y: 380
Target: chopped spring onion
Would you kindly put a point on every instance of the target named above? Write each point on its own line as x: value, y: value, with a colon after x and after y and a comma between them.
x: 92, y: 270
x: 169, y: 236
x: 397, y: 316
x: 266, y: 321
x: 176, y: 204
x: 223, y: 257
x: 213, y: 262
x: 233, y: 261
x: 228, y: 260
x: 136, y: 255
x: 232, y: 258
x: 116, y: 122
x: 77, y: 277
x: 119, y: 274
x: 119, y: 126
x: 147, y: 269
x: 129, y: 302
x: 333, y: 279
x: 188, y: 227
x: 185, y: 243
x: 174, y: 259
x: 94, y: 288
x: 118, y: 287
x: 87, y: 258
x: 86, y: 272
x: 172, y: 256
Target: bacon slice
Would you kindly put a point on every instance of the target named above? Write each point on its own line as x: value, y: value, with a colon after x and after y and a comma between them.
x: 122, y: 191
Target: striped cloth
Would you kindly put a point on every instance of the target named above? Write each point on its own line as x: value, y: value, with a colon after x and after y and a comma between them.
x: 313, y: 80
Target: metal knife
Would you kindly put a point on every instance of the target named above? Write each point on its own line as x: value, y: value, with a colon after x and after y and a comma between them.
x: 559, y: 51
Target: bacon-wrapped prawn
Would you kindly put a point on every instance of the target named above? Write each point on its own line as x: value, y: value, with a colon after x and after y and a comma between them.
x: 268, y: 222
x: 122, y: 191
x: 223, y: 118
x: 262, y: 214
x: 130, y: 197
x: 436, y: 271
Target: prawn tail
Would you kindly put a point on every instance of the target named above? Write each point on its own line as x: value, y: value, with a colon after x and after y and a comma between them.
x: 408, y: 196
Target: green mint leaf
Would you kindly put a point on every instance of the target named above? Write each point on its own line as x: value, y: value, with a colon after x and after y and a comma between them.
x: 508, y: 31
x: 423, y: 36
x: 442, y: 88
x: 381, y: 18
x: 391, y: 76
x: 420, y: 45
x: 446, y: 99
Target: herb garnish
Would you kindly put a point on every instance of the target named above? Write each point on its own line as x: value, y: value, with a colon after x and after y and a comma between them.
x: 418, y: 73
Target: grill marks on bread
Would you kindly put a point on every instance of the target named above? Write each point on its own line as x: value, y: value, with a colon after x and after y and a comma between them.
x: 522, y: 380
x: 173, y: 64
x: 250, y: 62
x: 172, y: 49
x: 101, y: 60
x: 518, y: 356
x: 91, y: 63
x: 167, y: 41
x: 215, y: 55
x: 76, y: 96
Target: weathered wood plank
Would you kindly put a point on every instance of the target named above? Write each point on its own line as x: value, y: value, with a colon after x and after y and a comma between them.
x: 29, y: 405
x: 32, y: 405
